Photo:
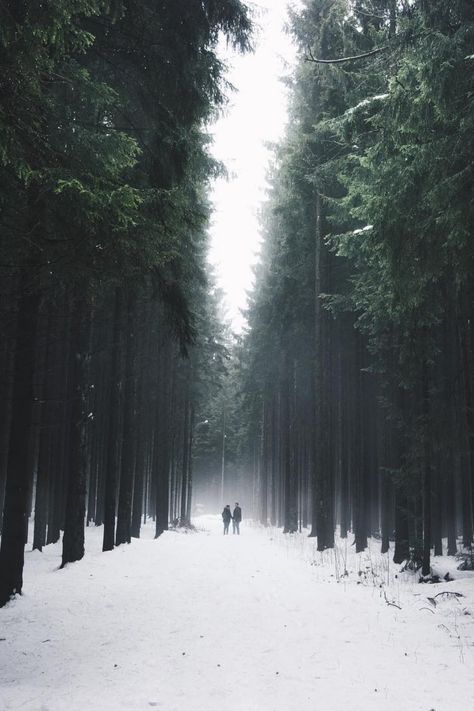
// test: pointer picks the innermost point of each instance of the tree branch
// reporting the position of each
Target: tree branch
(377, 50)
(391, 604)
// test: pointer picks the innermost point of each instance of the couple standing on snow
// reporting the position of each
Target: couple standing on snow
(236, 518)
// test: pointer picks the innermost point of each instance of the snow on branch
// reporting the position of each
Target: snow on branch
(362, 229)
(366, 102)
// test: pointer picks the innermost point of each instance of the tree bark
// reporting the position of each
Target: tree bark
(113, 454)
(427, 474)
(15, 518)
(73, 539)
(124, 514)
(317, 458)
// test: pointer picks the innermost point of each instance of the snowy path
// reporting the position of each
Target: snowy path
(208, 623)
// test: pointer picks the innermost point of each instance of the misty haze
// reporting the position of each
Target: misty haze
(237, 355)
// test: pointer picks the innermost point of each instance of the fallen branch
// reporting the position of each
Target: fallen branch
(449, 592)
(392, 604)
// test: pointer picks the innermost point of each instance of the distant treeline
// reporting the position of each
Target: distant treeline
(359, 364)
(107, 318)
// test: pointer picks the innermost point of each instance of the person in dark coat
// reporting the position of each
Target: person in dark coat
(226, 517)
(237, 518)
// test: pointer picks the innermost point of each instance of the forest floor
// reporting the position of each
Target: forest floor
(257, 622)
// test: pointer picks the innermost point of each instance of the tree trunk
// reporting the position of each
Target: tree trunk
(162, 454)
(5, 417)
(361, 465)
(290, 522)
(317, 458)
(15, 518)
(124, 515)
(427, 474)
(113, 454)
(73, 539)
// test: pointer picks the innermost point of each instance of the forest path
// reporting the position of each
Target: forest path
(212, 623)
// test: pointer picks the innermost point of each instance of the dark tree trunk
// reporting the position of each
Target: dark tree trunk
(290, 522)
(15, 519)
(73, 539)
(45, 434)
(124, 516)
(5, 417)
(185, 456)
(317, 458)
(162, 454)
(189, 496)
(402, 549)
(361, 467)
(42, 483)
(427, 475)
(113, 454)
(345, 518)
(140, 464)
(437, 512)
(60, 454)
(265, 457)
(274, 460)
(464, 336)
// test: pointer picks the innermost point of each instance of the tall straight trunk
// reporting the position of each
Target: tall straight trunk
(113, 454)
(5, 417)
(346, 424)
(162, 455)
(427, 474)
(265, 455)
(402, 544)
(124, 514)
(189, 495)
(437, 512)
(327, 431)
(45, 434)
(290, 521)
(140, 461)
(146, 491)
(281, 472)
(100, 451)
(464, 322)
(73, 539)
(453, 390)
(372, 418)
(360, 446)
(15, 518)
(42, 486)
(138, 489)
(60, 454)
(450, 503)
(317, 458)
(96, 435)
(402, 549)
(274, 461)
(386, 510)
(386, 445)
(306, 491)
(185, 455)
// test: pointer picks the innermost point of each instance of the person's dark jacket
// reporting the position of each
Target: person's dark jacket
(226, 515)
(237, 515)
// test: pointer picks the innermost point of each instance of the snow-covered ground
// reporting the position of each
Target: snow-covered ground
(260, 622)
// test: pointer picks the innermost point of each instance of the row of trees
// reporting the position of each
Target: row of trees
(359, 363)
(107, 315)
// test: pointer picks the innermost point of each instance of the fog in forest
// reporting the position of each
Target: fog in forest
(237, 265)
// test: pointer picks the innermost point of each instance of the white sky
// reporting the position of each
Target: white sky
(256, 115)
